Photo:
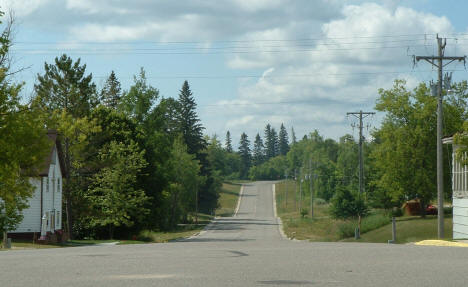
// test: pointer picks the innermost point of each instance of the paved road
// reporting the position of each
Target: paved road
(245, 250)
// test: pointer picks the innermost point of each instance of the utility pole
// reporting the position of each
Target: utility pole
(286, 183)
(295, 190)
(311, 190)
(360, 115)
(438, 61)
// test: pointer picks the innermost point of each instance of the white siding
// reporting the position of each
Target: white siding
(32, 215)
(460, 218)
(52, 200)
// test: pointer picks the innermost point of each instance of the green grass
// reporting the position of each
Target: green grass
(374, 228)
(228, 197)
(408, 229)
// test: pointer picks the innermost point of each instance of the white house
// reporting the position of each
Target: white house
(459, 195)
(44, 215)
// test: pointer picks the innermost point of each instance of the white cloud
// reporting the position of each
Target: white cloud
(23, 7)
(341, 72)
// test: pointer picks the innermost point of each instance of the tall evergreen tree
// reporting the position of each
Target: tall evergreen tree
(228, 142)
(258, 151)
(189, 123)
(283, 141)
(65, 86)
(111, 92)
(275, 140)
(246, 157)
(269, 143)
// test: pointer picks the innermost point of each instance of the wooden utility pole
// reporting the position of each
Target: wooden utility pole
(360, 115)
(438, 61)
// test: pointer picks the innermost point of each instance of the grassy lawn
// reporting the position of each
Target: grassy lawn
(409, 229)
(374, 228)
(228, 198)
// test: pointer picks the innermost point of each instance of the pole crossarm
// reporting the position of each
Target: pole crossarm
(432, 59)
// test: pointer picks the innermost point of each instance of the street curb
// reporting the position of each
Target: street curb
(239, 200)
(442, 243)
(278, 219)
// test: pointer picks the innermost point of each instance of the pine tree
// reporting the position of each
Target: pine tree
(269, 143)
(228, 142)
(283, 141)
(246, 157)
(188, 121)
(275, 141)
(258, 151)
(111, 92)
(65, 86)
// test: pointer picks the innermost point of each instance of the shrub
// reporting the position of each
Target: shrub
(374, 221)
(448, 210)
(304, 212)
(345, 204)
(320, 201)
(397, 212)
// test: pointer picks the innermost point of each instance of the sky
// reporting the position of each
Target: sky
(303, 63)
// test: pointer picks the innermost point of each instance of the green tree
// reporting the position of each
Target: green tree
(405, 154)
(66, 97)
(111, 93)
(283, 144)
(65, 86)
(245, 155)
(228, 142)
(346, 204)
(269, 142)
(189, 123)
(258, 155)
(23, 142)
(185, 179)
(114, 199)
(139, 100)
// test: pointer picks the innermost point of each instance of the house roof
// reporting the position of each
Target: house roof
(53, 138)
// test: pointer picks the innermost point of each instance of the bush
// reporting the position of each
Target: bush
(372, 222)
(448, 210)
(397, 212)
(320, 201)
(304, 212)
(345, 204)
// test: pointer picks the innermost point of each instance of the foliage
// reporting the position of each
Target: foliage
(228, 144)
(405, 154)
(272, 169)
(23, 143)
(258, 156)
(114, 199)
(138, 101)
(111, 93)
(245, 156)
(345, 204)
(283, 145)
(65, 86)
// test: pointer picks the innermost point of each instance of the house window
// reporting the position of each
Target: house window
(58, 219)
(58, 184)
(47, 184)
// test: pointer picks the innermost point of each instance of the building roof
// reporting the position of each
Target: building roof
(53, 138)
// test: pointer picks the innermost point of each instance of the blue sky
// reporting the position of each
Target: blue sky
(249, 62)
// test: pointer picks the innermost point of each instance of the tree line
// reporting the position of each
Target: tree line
(399, 156)
(134, 160)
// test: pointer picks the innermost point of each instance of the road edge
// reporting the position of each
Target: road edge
(278, 219)
(239, 200)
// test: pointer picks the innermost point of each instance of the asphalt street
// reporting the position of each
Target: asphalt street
(244, 250)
